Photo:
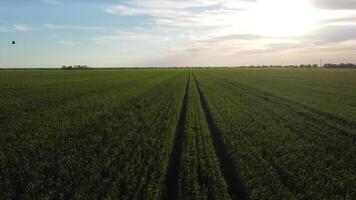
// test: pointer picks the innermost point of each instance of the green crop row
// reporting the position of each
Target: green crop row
(200, 174)
(113, 141)
(282, 149)
(330, 91)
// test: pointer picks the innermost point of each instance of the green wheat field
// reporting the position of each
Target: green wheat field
(178, 134)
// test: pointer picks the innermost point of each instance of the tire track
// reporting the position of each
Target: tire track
(235, 187)
(171, 179)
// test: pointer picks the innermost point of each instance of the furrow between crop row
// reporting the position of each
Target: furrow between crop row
(171, 180)
(235, 187)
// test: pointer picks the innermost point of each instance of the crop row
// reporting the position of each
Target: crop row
(108, 144)
(200, 175)
(282, 149)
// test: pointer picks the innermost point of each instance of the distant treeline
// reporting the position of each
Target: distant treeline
(342, 65)
(75, 67)
(328, 65)
(305, 66)
(282, 66)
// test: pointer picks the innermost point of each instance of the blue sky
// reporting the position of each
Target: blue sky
(114, 33)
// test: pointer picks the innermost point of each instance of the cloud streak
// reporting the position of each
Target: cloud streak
(21, 27)
(52, 2)
(70, 27)
(68, 43)
(48, 27)
(335, 4)
(182, 13)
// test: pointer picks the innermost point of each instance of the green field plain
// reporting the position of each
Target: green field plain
(178, 134)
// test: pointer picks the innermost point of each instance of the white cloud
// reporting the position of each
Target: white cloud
(68, 43)
(130, 36)
(52, 2)
(46, 27)
(4, 29)
(181, 13)
(71, 27)
(273, 17)
(21, 27)
(130, 41)
(336, 4)
(231, 25)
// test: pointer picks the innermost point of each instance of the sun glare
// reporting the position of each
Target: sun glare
(284, 17)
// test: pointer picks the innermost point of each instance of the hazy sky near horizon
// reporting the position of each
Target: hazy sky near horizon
(114, 33)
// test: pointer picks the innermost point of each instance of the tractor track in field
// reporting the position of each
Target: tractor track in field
(236, 188)
(171, 179)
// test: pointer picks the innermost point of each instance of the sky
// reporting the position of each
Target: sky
(145, 33)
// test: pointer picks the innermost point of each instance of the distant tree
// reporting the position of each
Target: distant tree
(75, 67)
(340, 66)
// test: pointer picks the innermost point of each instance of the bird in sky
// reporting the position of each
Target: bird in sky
(13, 42)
